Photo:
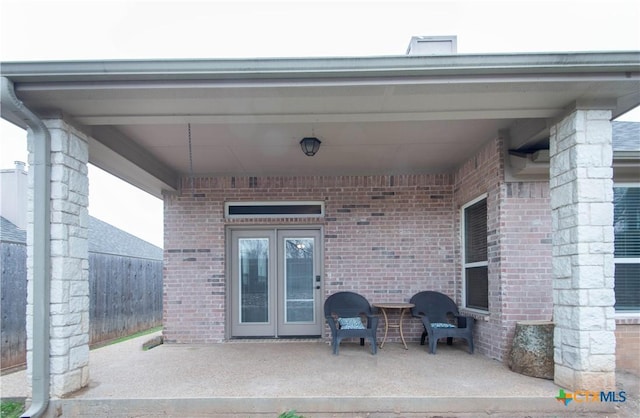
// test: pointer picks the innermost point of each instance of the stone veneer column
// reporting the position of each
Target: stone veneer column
(581, 189)
(69, 303)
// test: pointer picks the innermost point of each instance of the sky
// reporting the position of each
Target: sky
(52, 30)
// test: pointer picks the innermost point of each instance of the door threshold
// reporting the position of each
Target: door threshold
(283, 339)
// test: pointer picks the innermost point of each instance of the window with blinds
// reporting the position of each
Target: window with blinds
(475, 260)
(626, 225)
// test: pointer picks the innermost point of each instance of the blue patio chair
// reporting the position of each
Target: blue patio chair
(344, 312)
(441, 319)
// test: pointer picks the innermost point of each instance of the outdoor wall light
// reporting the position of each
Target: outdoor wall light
(310, 145)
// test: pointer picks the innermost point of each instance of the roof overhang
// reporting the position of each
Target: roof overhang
(374, 115)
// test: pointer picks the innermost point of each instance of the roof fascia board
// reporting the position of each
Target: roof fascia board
(304, 68)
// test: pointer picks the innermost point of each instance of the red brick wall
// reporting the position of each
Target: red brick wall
(479, 175)
(628, 345)
(526, 272)
(386, 237)
(519, 247)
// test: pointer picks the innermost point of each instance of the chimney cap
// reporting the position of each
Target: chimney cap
(433, 45)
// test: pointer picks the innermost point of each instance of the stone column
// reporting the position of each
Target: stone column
(581, 189)
(69, 301)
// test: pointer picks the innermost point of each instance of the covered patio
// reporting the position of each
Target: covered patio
(259, 378)
(409, 144)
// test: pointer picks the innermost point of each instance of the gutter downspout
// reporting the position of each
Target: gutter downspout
(41, 247)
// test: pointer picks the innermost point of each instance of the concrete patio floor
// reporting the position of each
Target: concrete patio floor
(263, 379)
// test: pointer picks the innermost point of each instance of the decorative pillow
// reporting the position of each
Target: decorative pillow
(442, 325)
(351, 323)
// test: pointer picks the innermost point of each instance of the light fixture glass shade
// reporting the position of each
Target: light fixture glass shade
(310, 145)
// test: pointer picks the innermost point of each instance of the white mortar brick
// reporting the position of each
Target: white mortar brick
(79, 356)
(58, 248)
(602, 297)
(562, 266)
(79, 288)
(62, 321)
(59, 346)
(587, 234)
(591, 318)
(574, 357)
(562, 196)
(59, 291)
(602, 362)
(78, 247)
(600, 343)
(58, 364)
(78, 303)
(63, 384)
(59, 231)
(600, 172)
(587, 216)
(65, 268)
(601, 213)
(59, 309)
(588, 277)
(69, 307)
(78, 340)
(66, 331)
(59, 141)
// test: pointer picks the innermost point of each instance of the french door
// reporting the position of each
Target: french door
(276, 283)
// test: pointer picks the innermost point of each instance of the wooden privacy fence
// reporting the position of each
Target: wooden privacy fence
(125, 296)
(13, 290)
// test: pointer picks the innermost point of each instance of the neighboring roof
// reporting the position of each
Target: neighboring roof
(626, 136)
(103, 238)
(107, 239)
(9, 232)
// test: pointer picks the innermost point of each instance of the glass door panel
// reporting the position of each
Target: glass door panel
(254, 279)
(299, 285)
(253, 283)
(298, 278)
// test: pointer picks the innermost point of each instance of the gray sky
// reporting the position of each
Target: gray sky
(144, 29)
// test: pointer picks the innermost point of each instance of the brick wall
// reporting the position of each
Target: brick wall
(519, 247)
(526, 274)
(481, 174)
(386, 237)
(628, 345)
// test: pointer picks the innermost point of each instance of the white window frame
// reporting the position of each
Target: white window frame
(464, 264)
(636, 313)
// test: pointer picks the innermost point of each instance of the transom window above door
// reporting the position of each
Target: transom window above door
(274, 209)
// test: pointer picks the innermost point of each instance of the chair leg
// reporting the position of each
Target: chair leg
(433, 343)
(336, 344)
(422, 338)
(374, 345)
(362, 341)
(449, 341)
